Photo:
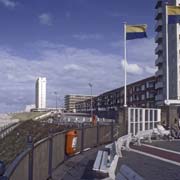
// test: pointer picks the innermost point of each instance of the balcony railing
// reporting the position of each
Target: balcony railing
(158, 13)
(159, 72)
(159, 85)
(159, 97)
(158, 4)
(158, 37)
(158, 48)
(158, 25)
(159, 60)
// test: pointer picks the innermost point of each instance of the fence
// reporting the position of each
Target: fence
(140, 119)
(39, 160)
(7, 129)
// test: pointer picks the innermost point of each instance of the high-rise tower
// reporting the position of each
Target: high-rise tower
(174, 54)
(41, 93)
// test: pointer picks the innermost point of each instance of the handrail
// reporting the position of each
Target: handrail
(7, 128)
(16, 162)
(11, 169)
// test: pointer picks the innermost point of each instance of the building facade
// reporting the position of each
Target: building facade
(41, 93)
(72, 99)
(173, 54)
(139, 94)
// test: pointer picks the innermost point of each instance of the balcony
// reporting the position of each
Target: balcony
(158, 37)
(159, 97)
(158, 13)
(159, 61)
(158, 25)
(158, 49)
(158, 4)
(159, 85)
(159, 73)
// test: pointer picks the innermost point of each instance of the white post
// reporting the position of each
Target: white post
(167, 54)
(138, 116)
(129, 120)
(143, 119)
(125, 68)
(134, 121)
(153, 113)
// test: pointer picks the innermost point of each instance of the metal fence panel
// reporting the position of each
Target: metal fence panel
(40, 161)
(21, 171)
(79, 140)
(58, 150)
(104, 134)
(90, 137)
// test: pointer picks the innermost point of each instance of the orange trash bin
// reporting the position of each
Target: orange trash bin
(94, 120)
(71, 142)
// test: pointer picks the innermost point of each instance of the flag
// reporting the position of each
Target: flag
(136, 31)
(173, 14)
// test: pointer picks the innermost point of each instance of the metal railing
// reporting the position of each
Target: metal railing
(141, 119)
(39, 160)
(7, 129)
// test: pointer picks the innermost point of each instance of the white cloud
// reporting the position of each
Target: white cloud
(75, 67)
(68, 70)
(8, 3)
(82, 36)
(132, 68)
(45, 19)
(150, 69)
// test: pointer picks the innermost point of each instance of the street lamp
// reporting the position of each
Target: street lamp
(56, 98)
(90, 85)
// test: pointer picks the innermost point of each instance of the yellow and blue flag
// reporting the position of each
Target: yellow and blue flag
(173, 14)
(136, 31)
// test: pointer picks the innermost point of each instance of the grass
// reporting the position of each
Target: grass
(27, 115)
(14, 143)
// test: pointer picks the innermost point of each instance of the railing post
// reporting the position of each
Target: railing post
(112, 130)
(97, 133)
(50, 154)
(82, 137)
(2, 171)
(31, 153)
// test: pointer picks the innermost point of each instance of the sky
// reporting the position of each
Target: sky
(71, 43)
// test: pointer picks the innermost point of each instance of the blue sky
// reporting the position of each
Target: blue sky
(71, 42)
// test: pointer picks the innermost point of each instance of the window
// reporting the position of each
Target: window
(142, 97)
(143, 87)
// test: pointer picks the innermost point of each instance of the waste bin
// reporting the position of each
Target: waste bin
(94, 120)
(71, 142)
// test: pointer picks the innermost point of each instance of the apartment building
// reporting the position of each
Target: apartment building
(72, 99)
(160, 51)
(139, 94)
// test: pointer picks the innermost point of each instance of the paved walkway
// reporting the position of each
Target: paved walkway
(146, 160)
(160, 152)
(79, 167)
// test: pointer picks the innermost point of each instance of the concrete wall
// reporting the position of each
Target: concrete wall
(123, 121)
(169, 114)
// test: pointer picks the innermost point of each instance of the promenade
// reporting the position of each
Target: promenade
(149, 162)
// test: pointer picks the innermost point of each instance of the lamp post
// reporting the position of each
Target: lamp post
(90, 85)
(56, 98)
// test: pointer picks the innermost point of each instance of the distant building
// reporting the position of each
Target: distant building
(139, 94)
(29, 107)
(72, 99)
(41, 93)
(160, 51)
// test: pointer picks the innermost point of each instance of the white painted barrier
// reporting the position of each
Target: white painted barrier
(141, 119)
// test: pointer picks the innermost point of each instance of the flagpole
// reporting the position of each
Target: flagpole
(167, 54)
(125, 67)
